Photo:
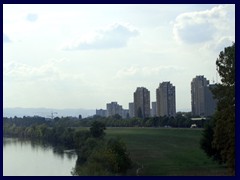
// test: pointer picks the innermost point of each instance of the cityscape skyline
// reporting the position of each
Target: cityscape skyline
(83, 56)
(202, 101)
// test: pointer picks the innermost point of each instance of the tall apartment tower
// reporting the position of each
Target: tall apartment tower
(211, 103)
(142, 103)
(202, 102)
(131, 109)
(166, 102)
(101, 112)
(154, 109)
(114, 108)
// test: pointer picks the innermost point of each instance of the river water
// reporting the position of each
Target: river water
(27, 158)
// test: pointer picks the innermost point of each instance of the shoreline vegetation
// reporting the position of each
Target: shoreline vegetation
(96, 155)
(134, 151)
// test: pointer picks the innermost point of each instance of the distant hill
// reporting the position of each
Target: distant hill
(46, 112)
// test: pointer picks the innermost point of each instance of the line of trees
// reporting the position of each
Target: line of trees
(57, 135)
(182, 120)
(218, 140)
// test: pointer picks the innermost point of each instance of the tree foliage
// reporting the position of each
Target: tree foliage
(206, 142)
(222, 134)
(103, 158)
(97, 129)
(122, 159)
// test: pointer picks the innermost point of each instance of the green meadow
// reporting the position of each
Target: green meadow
(166, 152)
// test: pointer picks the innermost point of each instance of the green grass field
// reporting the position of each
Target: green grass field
(166, 152)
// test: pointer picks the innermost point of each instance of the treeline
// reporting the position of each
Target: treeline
(96, 155)
(57, 135)
(181, 120)
(27, 121)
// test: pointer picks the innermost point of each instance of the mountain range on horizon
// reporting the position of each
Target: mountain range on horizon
(47, 112)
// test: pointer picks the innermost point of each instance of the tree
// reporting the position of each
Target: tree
(80, 116)
(223, 137)
(119, 149)
(105, 158)
(116, 116)
(224, 132)
(206, 142)
(97, 129)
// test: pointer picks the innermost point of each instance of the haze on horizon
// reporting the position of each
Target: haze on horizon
(84, 56)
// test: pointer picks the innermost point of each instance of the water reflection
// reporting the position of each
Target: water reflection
(37, 145)
(36, 158)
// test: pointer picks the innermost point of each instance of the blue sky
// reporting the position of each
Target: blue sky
(84, 56)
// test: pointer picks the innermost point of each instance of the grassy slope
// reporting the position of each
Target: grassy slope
(166, 151)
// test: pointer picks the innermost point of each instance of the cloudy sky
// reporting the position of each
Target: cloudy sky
(84, 56)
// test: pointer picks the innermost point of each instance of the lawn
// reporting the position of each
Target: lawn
(166, 152)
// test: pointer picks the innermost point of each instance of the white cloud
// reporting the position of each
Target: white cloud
(32, 17)
(24, 72)
(149, 72)
(204, 26)
(223, 42)
(6, 39)
(113, 36)
(48, 72)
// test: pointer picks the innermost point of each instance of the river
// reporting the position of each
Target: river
(28, 158)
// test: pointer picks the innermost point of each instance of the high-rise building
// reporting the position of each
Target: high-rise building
(166, 102)
(125, 113)
(203, 103)
(114, 108)
(210, 102)
(154, 109)
(101, 112)
(142, 102)
(131, 109)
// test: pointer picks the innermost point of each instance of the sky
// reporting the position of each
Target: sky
(84, 56)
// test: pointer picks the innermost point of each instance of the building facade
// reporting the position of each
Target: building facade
(154, 109)
(166, 101)
(211, 103)
(125, 114)
(101, 112)
(131, 109)
(142, 103)
(114, 108)
(202, 101)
